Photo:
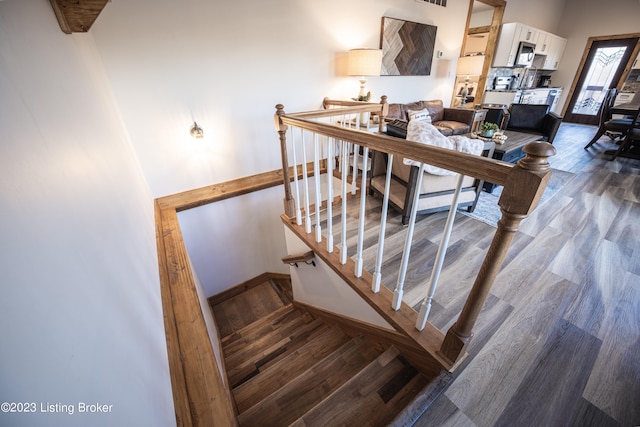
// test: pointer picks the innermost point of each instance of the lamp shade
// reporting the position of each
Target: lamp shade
(364, 62)
(470, 65)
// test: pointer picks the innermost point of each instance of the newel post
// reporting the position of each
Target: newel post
(521, 194)
(384, 112)
(289, 203)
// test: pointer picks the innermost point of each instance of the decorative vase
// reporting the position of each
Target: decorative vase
(487, 133)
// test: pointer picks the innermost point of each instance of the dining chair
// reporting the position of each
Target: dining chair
(632, 136)
(614, 128)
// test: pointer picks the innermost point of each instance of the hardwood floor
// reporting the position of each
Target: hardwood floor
(558, 341)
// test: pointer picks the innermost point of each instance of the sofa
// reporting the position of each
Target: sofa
(449, 121)
(436, 190)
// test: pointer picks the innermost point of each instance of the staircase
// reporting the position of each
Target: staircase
(289, 367)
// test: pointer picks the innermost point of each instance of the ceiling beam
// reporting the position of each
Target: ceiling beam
(77, 16)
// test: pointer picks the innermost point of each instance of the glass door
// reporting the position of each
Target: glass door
(602, 70)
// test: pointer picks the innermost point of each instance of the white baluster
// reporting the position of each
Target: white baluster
(343, 220)
(363, 202)
(330, 160)
(397, 294)
(425, 307)
(305, 181)
(354, 175)
(295, 178)
(377, 276)
(317, 180)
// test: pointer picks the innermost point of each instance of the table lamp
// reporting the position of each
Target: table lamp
(363, 63)
(469, 66)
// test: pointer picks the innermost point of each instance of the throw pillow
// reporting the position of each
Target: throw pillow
(421, 115)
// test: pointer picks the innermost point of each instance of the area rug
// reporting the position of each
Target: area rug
(488, 211)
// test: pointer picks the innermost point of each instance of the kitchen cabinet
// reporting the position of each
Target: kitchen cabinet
(528, 34)
(511, 34)
(547, 44)
(543, 43)
(555, 51)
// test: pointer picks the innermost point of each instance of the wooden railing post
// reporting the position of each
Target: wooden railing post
(289, 203)
(525, 186)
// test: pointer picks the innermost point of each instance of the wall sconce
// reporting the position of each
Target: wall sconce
(196, 131)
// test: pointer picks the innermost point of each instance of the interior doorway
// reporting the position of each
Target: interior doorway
(602, 69)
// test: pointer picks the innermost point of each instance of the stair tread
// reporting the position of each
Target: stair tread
(294, 399)
(376, 394)
(265, 336)
(276, 375)
(247, 307)
(246, 364)
(260, 323)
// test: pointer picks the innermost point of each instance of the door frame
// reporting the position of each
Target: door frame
(583, 61)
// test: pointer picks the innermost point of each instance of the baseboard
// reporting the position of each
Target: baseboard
(245, 286)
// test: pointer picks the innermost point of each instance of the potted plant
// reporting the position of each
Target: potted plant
(488, 129)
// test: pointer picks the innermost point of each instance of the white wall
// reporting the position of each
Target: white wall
(545, 15)
(226, 65)
(319, 286)
(80, 306)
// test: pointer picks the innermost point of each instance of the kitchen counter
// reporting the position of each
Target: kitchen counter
(538, 95)
(521, 89)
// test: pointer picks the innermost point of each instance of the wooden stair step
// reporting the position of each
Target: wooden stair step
(264, 322)
(273, 376)
(265, 335)
(376, 394)
(294, 399)
(247, 364)
(240, 310)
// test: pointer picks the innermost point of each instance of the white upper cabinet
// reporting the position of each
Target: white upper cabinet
(544, 41)
(528, 34)
(507, 47)
(554, 52)
(547, 44)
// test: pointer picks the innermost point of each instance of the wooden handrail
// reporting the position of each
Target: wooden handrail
(200, 394)
(302, 257)
(524, 184)
(490, 170)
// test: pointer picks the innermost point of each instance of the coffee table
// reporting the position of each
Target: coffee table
(511, 150)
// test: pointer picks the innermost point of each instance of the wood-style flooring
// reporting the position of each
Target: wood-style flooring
(558, 341)
(288, 367)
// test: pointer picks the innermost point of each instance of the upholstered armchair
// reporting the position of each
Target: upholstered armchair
(534, 118)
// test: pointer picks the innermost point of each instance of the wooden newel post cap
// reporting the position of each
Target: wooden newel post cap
(279, 112)
(536, 157)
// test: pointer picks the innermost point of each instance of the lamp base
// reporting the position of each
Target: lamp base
(465, 93)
